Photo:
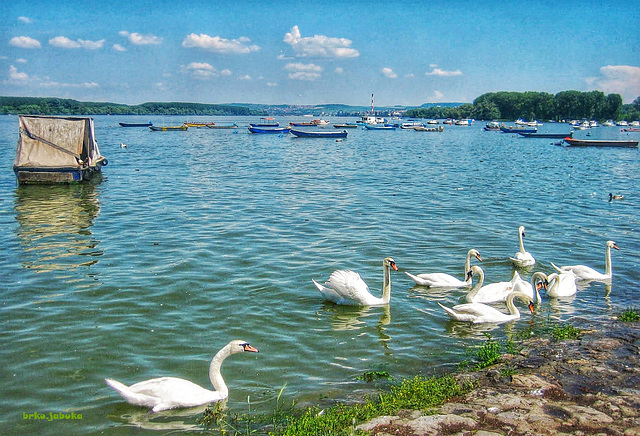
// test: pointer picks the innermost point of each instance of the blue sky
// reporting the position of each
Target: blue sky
(308, 52)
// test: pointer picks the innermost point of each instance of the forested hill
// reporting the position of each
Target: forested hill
(60, 106)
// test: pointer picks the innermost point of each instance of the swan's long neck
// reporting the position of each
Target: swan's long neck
(474, 291)
(467, 266)
(607, 261)
(386, 283)
(513, 310)
(521, 243)
(536, 292)
(214, 371)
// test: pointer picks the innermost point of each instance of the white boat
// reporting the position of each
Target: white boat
(609, 123)
(432, 122)
(634, 123)
(622, 123)
(465, 122)
(582, 126)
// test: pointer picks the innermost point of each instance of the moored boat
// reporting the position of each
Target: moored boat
(198, 125)
(599, 143)
(168, 128)
(136, 124)
(223, 126)
(54, 149)
(266, 122)
(379, 127)
(316, 134)
(429, 129)
(492, 126)
(345, 126)
(517, 129)
(282, 130)
(546, 135)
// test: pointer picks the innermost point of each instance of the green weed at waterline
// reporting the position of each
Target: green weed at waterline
(629, 315)
(565, 332)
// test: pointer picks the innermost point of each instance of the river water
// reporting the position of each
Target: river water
(199, 237)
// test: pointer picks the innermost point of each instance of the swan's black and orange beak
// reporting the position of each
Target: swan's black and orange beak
(542, 284)
(393, 265)
(531, 306)
(248, 347)
(478, 257)
(616, 247)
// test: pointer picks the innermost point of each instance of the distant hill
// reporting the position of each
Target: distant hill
(61, 106)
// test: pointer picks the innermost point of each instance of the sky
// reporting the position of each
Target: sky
(406, 53)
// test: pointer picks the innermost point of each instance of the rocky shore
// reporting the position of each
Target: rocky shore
(588, 386)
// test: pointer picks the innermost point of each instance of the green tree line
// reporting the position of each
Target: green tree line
(60, 106)
(565, 105)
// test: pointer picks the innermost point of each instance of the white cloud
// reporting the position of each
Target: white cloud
(226, 72)
(24, 42)
(618, 79)
(139, 39)
(271, 84)
(118, 47)
(16, 77)
(300, 71)
(25, 20)
(245, 77)
(436, 97)
(200, 70)
(339, 70)
(219, 45)
(21, 61)
(64, 42)
(435, 71)
(85, 85)
(388, 72)
(319, 45)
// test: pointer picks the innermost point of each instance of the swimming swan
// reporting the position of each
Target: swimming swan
(170, 392)
(586, 273)
(346, 287)
(442, 280)
(539, 280)
(491, 293)
(562, 285)
(481, 313)
(522, 258)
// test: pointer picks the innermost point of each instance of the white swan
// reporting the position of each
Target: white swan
(442, 280)
(170, 392)
(522, 258)
(491, 293)
(481, 313)
(539, 280)
(586, 273)
(346, 287)
(562, 285)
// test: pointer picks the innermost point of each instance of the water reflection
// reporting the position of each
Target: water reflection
(175, 419)
(55, 226)
(343, 318)
(562, 306)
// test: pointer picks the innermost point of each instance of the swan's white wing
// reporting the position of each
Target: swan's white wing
(135, 398)
(493, 292)
(172, 392)
(477, 310)
(523, 259)
(583, 272)
(458, 316)
(349, 288)
(438, 280)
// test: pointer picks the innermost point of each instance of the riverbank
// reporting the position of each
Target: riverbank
(589, 385)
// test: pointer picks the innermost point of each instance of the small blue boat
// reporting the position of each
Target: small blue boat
(269, 130)
(517, 129)
(316, 134)
(379, 127)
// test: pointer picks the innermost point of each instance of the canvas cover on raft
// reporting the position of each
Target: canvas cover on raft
(56, 142)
